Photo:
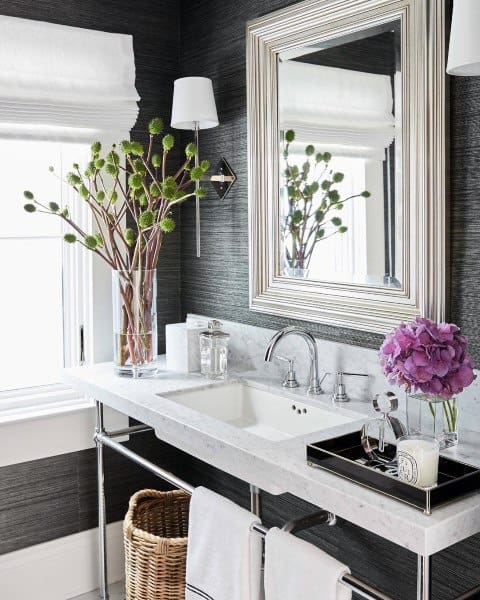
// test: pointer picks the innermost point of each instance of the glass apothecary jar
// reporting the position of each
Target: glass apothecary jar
(214, 351)
(431, 415)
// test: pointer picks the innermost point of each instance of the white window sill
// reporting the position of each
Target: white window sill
(40, 403)
(48, 422)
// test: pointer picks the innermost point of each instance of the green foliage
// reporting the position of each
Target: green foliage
(135, 181)
(100, 196)
(112, 169)
(73, 179)
(365, 194)
(142, 199)
(289, 136)
(30, 208)
(200, 192)
(167, 224)
(70, 238)
(205, 165)
(139, 166)
(83, 191)
(28, 195)
(90, 241)
(342, 229)
(190, 150)
(113, 196)
(155, 127)
(113, 158)
(156, 160)
(136, 148)
(336, 221)
(96, 148)
(53, 206)
(168, 142)
(337, 177)
(196, 173)
(169, 188)
(130, 236)
(99, 163)
(310, 150)
(90, 169)
(126, 146)
(146, 219)
(100, 241)
(154, 190)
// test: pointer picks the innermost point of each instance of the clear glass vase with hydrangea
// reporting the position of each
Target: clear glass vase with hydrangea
(130, 191)
(431, 362)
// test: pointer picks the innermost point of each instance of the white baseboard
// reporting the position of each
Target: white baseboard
(60, 569)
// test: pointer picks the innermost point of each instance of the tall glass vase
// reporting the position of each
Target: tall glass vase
(134, 295)
(432, 415)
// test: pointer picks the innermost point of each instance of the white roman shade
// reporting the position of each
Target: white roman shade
(64, 82)
(347, 112)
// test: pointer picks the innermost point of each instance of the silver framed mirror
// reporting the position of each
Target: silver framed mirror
(347, 160)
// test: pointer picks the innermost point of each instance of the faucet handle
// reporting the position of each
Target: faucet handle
(339, 391)
(290, 380)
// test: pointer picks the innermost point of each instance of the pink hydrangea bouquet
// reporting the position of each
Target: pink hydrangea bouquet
(427, 357)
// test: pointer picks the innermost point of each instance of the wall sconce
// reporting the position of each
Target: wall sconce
(194, 108)
(464, 51)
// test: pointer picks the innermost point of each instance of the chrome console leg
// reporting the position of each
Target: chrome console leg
(102, 518)
(424, 577)
(255, 507)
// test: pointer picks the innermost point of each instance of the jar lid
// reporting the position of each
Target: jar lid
(215, 330)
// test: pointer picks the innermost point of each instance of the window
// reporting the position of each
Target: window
(40, 315)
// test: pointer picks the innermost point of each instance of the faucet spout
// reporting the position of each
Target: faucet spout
(314, 386)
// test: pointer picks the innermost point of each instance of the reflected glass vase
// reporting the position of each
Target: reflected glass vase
(432, 415)
(134, 295)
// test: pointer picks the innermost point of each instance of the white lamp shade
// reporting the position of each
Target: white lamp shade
(193, 102)
(464, 52)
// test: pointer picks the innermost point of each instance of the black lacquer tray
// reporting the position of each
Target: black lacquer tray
(346, 457)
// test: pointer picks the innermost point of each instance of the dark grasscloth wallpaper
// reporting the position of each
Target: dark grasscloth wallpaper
(49, 498)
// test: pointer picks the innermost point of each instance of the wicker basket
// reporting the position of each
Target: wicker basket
(155, 533)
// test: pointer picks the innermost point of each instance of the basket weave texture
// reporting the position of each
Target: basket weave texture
(155, 534)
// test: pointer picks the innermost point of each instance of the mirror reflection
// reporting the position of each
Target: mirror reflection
(340, 118)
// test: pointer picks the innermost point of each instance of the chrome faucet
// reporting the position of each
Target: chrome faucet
(314, 386)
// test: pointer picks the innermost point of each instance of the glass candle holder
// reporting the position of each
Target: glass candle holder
(417, 457)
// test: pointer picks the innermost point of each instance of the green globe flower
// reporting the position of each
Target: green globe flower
(83, 191)
(70, 238)
(155, 127)
(136, 148)
(205, 165)
(168, 142)
(90, 169)
(96, 147)
(167, 225)
(190, 150)
(90, 242)
(99, 237)
(196, 173)
(142, 199)
(146, 219)
(113, 196)
(73, 179)
(135, 181)
(99, 163)
(111, 169)
(126, 146)
(156, 160)
(169, 188)
(200, 193)
(154, 190)
(130, 236)
(113, 158)
(100, 196)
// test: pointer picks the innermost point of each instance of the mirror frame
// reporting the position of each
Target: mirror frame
(361, 307)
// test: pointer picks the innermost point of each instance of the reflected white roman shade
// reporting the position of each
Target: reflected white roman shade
(347, 112)
(64, 82)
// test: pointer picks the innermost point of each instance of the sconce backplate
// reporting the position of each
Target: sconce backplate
(223, 178)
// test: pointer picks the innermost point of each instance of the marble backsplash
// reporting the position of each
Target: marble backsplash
(247, 347)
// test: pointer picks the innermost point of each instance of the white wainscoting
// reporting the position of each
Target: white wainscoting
(63, 568)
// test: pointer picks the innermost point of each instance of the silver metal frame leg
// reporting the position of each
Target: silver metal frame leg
(424, 577)
(255, 499)
(102, 517)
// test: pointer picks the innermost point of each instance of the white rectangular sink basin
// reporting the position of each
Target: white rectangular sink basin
(260, 412)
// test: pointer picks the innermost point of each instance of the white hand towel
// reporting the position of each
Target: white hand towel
(224, 555)
(296, 570)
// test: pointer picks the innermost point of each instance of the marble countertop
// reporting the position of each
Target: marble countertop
(279, 467)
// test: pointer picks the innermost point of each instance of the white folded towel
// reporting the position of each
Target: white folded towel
(296, 570)
(224, 555)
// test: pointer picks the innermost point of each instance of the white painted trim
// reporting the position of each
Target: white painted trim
(60, 569)
(60, 430)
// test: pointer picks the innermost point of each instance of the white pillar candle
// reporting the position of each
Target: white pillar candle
(417, 457)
